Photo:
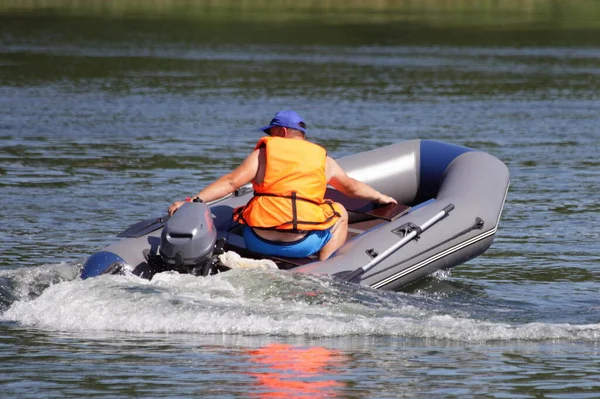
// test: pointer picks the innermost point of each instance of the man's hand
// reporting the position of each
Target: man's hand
(384, 199)
(174, 206)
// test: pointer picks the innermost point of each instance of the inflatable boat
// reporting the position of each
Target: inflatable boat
(450, 200)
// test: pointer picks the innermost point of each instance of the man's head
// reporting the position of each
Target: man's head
(287, 119)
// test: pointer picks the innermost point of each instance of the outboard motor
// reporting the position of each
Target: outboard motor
(188, 244)
(188, 239)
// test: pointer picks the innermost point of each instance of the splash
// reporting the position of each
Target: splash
(29, 283)
(253, 302)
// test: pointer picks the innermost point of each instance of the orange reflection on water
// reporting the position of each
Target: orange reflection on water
(286, 371)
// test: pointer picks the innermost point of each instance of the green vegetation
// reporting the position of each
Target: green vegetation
(504, 14)
(504, 23)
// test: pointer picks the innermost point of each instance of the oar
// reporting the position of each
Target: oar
(354, 277)
(144, 227)
(149, 225)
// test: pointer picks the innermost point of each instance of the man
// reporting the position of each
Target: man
(288, 215)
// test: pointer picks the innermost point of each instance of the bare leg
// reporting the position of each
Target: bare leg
(339, 232)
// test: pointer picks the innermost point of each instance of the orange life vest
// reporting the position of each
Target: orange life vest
(290, 198)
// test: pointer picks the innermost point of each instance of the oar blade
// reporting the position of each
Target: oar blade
(144, 227)
(350, 276)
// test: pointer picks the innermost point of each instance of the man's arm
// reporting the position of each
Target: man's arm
(228, 183)
(352, 187)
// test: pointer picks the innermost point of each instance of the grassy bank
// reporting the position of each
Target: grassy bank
(499, 13)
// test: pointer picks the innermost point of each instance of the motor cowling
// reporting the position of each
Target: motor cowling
(188, 239)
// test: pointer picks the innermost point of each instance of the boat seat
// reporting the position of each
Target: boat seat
(360, 209)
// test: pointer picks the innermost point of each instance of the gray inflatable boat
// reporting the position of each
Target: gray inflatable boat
(450, 200)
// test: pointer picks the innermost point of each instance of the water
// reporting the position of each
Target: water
(105, 120)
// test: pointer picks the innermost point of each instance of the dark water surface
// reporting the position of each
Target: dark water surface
(105, 120)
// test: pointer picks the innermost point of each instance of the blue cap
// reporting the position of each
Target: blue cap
(286, 118)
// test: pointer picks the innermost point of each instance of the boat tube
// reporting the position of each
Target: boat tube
(450, 200)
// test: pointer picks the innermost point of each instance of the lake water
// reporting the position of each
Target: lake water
(106, 118)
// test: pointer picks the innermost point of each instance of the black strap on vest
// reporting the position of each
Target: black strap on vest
(294, 211)
(239, 214)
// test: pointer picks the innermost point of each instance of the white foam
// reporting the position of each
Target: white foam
(255, 302)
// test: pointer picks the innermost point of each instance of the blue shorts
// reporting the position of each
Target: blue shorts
(306, 246)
